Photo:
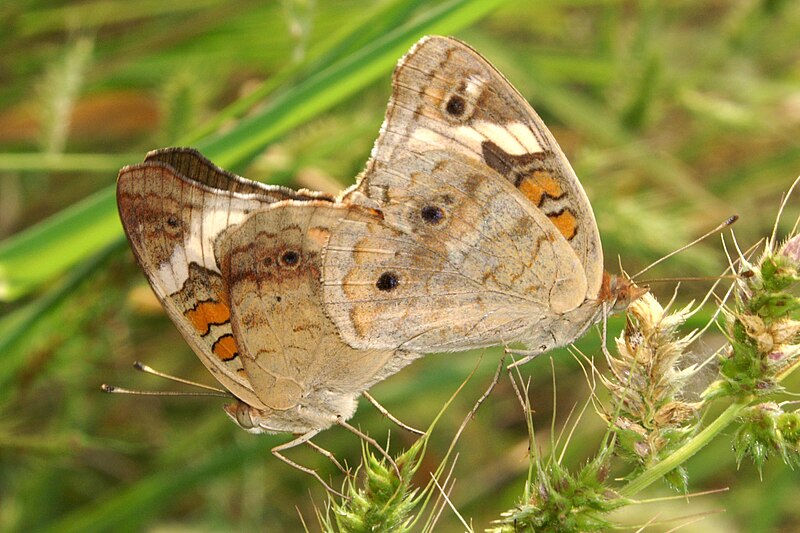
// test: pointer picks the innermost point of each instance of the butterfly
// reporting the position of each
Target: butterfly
(486, 235)
(236, 265)
(467, 228)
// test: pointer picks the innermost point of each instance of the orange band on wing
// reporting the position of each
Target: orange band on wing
(538, 185)
(208, 313)
(565, 222)
(225, 348)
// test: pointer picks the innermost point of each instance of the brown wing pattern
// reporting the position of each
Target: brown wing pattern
(447, 97)
(460, 261)
(192, 164)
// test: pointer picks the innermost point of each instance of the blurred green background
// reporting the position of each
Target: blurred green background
(675, 115)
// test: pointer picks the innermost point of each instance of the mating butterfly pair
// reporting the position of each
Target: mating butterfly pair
(467, 228)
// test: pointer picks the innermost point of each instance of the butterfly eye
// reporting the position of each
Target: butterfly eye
(456, 106)
(387, 281)
(172, 221)
(290, 258)
(432, 214)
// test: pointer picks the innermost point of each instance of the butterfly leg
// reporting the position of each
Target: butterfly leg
(374, 443)
(382, 410)
(526, 355)
(302, 439)
(322, 451)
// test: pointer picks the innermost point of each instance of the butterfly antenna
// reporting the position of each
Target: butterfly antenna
(719, 228)
(120, 390)
(138, 365)
(743, 257)
(141, 367)
(691, 278)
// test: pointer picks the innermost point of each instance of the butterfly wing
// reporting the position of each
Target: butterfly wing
(460, 261)
(291, 351)
(172, 208)
(493, 235)
(446, 96)
(196, 167)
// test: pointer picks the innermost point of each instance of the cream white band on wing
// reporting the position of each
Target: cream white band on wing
(514, 138)
(218, 214)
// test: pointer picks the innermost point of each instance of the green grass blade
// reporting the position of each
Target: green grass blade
(15, 326)
(141, 502)
(40, 253)
(345, 42)
(38, 162)
(337, 82)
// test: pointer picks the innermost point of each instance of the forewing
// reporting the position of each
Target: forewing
(446, 96)
(459, 261)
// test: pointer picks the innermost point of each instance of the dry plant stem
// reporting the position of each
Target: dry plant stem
(443, 500)
(782, 374)
(445, 494)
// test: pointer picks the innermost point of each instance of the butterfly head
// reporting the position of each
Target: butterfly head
(246, 416)
(319, 410)
(620, 291)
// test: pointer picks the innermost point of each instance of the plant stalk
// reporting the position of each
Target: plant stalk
(686, 451)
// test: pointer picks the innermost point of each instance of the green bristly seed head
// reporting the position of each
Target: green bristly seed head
(767, 431)
(763, 326)
(384, 502)
(561, 501)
